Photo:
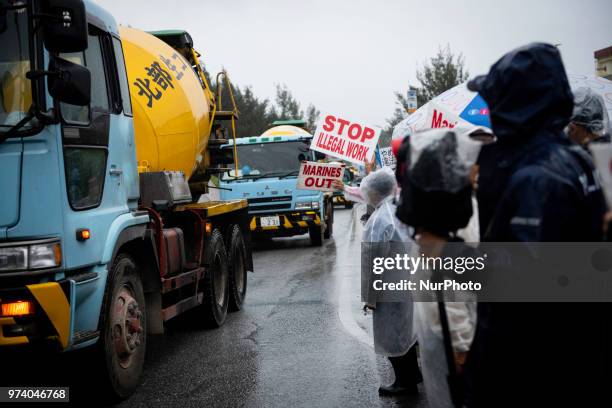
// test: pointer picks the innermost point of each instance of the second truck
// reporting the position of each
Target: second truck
(267, 179)
(108, 139)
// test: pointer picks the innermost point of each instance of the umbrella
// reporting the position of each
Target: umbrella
(468, 106)
(472, 110)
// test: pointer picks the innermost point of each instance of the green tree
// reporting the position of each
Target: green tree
(286, 106)
(400, 112)
(312, 116)
(253, 118)
(256, 115)
(443, 71)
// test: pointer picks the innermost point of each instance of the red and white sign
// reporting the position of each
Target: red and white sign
(319, 176)
(345, 139)
(440, 117)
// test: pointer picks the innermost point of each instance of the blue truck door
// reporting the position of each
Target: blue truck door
(94, 176)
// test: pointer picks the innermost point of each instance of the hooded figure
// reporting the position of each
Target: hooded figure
(436, 198)
(394, 336)
(589, 121)
(534, 187)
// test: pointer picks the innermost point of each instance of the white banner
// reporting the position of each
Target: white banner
(347, 140)
(319, 176)
(440, 117)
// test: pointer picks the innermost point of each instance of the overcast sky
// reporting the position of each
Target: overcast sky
(349, 56)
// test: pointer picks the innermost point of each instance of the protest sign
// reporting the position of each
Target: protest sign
(345, 139)
(387, 159)
(440, 117)
(319, 176)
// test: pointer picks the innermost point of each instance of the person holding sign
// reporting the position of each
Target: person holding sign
(392, 321)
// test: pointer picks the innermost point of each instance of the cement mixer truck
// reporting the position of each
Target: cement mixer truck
(108, 139)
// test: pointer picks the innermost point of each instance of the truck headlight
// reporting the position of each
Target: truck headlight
(306, 205)
(34, 256)
(45, 255)
(14, 259)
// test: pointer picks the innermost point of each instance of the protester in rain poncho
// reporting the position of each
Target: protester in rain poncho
(589, 121)
(436, 199)
(394, 336)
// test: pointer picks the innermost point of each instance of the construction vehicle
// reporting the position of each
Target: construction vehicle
(106, 232)
(267, 178)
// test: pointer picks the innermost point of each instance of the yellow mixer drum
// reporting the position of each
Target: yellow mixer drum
(171, 110)
(285, 130)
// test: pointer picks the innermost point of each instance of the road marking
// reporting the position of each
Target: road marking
(346, 315)
(344, 296)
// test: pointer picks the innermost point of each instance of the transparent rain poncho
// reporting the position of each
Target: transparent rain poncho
(440, 161)
(392, 321)
(436, 189)
(590, 111)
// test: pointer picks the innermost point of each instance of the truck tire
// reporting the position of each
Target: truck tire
(237, 269)
(215, 283)
(329, 223)
(120, 354)
(316, 235)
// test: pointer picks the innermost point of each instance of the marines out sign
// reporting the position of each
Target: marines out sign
(345, 139)
(319, 176)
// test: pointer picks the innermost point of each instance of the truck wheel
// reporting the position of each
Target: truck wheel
(316, 235)
(329, 228)
(237, 269)
(123, 331)
(215, 283)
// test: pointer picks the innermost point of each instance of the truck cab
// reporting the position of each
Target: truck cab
(267, 177)
(68, 176)
(105, 145)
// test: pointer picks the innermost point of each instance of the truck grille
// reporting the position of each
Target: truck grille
(268, 199)
(270, 207)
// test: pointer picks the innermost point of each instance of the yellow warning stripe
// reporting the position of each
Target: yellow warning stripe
(52, 299)
(285, 223)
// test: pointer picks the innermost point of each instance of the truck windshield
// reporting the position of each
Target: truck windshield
(15, 88)
(271, 159)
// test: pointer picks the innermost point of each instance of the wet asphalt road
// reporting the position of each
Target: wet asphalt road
(288, 347)
(300, 341)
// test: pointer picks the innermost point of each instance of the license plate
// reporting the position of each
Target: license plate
(273, 221)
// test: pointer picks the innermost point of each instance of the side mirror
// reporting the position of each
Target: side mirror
(319, 155)
(64, 24)
(69, 82)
